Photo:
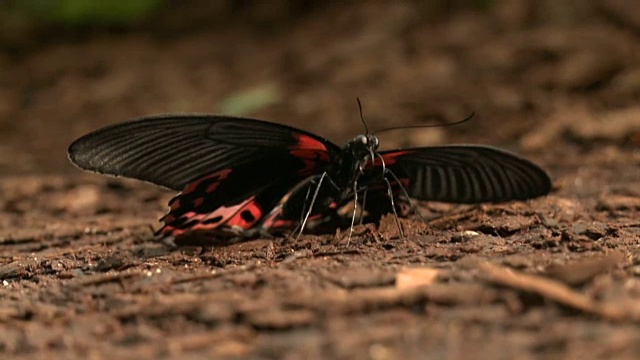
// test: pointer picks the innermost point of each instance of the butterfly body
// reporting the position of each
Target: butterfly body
(241, 176)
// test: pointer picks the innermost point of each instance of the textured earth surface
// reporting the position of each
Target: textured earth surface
(556, 277)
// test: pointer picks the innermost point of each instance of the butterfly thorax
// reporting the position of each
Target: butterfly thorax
(352, 160)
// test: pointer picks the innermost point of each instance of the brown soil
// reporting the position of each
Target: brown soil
(556, 277)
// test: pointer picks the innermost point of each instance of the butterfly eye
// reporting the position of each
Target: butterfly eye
(371, 141)
(363, 139)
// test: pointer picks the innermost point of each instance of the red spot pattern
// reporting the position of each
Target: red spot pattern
(174, 204)
(279, 224)
(273, 221)
(228, 216)
(238, 220)
(311, 158)
(310, 154)
(308, 142)
(392, 157)
(168, 218)
(213, 187)
(272, 217)
(197, 202)
(170, 231)
(218, 175)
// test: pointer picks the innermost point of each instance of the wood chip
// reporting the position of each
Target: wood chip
(413, 277)
(18, 269)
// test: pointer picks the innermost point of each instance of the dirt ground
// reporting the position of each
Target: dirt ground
(556, 277)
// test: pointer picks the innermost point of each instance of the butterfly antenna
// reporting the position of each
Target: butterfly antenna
(426, 126)
(366, 128)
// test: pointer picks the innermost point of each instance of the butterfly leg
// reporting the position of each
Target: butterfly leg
(355, 208)
(303, 214)
(313, 200)
(393, 207)
(306, 201)
(386, 171)
(413, 206)
(364, 203)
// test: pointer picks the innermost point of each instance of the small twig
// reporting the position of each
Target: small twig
(98, 279)
(556, 291)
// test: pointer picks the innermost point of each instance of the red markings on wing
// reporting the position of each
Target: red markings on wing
(192, 217)
(274, 221)
(243, 215)
(198, 201)
(247, 216)
(167, 219)
(308, 142)
(391, 157)
(311, 154)
(310, 157)
(272, 217)
(213, 187)
(174, 204)
(217, 176)
(168, 230)
(310, 151)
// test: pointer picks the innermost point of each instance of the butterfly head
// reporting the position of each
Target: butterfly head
(363, 145)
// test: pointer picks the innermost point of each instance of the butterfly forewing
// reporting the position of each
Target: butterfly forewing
(465, 174)
(172, 151)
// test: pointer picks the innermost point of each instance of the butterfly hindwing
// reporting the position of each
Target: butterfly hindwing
(190, 211)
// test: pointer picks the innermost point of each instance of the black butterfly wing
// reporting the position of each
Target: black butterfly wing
(466, 174)
(172, 151)
(225, 167)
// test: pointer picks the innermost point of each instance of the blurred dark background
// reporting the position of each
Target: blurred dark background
(553, 79)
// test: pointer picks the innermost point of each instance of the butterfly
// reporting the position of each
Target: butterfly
(237, 177)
